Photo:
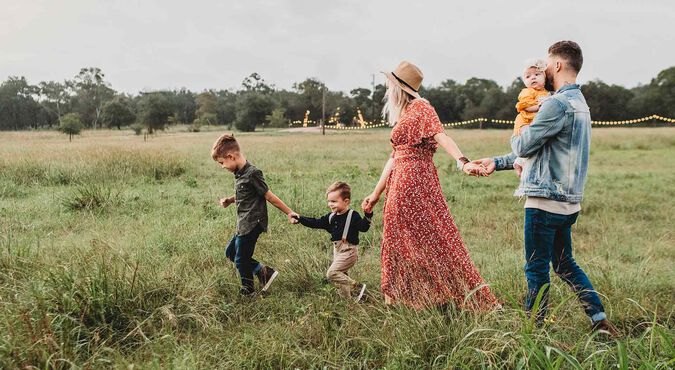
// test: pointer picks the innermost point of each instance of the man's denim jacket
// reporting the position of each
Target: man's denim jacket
(557, 145)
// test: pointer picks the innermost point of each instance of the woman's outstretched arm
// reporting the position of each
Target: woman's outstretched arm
(449, 145)
(370, 201)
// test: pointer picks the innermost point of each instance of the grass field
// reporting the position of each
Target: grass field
(111, 255)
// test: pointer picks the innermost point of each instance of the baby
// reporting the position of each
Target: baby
(529, 99)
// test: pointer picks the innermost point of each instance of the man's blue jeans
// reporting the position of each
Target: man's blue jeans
(548, 239)
(240, 251)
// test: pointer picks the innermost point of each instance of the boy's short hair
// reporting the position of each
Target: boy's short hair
(225, 145)
(344, 189)
(570, 51)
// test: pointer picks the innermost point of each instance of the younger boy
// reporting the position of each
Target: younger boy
(344, 226)
(251, 197)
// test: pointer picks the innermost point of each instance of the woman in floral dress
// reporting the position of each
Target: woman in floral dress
(424, 260)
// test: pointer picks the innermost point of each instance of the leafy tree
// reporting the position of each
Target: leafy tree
(71, 125)
(607, 102)
(347, 107)
(378, 100)
(493, 101)
(25, 106)
(206, 119)
(253, 103)
(184, 105)
(473, 92)
(91, 92)
(251, 109)
(18, 108)
(447, 100)
(225, 107)
(207, 103)
(362, 99)
(277, 118)
(507, 110)
(117, 113)
(311, 93)
(255, 83)
(291, 102)
(155, 110)
(665, 85)
(658, 97)
(54, 97)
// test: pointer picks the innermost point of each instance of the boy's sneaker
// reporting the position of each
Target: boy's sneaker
(247, 292)
(606, 327)
(362, 291)
(266, 275)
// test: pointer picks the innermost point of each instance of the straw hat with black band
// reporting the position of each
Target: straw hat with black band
(408, 77)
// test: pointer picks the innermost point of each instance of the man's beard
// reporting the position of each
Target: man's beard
(548, 84)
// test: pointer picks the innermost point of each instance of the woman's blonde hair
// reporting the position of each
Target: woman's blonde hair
(395, 101)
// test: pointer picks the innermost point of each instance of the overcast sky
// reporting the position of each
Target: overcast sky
(150, 45)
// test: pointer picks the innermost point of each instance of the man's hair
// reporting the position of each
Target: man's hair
(225, 145)
(570, 51)
(344, 189)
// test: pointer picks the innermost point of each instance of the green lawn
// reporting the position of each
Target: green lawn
(111, 254)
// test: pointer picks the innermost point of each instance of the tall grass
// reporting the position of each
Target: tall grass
(111, 255)
(91, 166)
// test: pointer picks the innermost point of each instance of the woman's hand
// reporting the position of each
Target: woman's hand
(369, 202)
(488, 165)
(473, 169)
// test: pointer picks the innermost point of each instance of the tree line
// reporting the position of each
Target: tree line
(89, 101)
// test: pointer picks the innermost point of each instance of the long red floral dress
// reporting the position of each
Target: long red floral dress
(424, 260)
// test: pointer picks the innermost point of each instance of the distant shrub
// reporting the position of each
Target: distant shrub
(71, 125)
(194, 127)
(91, 197)
(137, 128)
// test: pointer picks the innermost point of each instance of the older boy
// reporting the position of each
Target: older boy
(251, 197)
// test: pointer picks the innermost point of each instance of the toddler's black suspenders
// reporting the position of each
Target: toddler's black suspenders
(347, 223)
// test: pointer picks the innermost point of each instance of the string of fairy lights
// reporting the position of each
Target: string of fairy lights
(335, 124)
(653, 117)
(463, 123)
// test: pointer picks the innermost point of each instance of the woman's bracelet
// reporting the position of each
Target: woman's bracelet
(463, 161)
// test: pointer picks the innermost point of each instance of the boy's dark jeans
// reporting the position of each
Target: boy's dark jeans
(548, 239)
(240, 251)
